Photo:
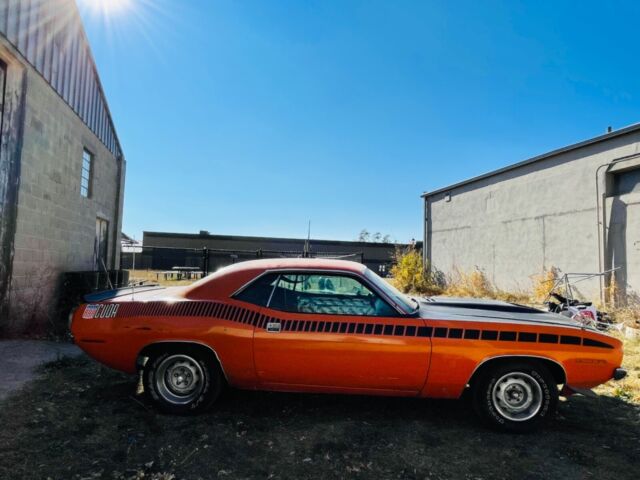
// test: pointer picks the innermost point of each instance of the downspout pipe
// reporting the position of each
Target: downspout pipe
(118, 212)
(600, 226)
(426, 262)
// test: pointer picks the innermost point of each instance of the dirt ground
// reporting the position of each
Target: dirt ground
(20, 359)
(80, 420)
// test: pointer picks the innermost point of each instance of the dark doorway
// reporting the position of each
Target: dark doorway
(101, 244)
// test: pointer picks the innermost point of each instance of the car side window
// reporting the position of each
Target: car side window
(259, 291)
(327, 294)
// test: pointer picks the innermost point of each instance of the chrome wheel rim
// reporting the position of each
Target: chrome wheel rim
(179, 379)
(517, 396)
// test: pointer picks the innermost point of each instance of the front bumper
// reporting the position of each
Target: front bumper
(619, 373)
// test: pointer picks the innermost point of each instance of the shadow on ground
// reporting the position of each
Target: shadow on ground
(81, 420)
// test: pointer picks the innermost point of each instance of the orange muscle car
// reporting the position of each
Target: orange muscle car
(311, 325)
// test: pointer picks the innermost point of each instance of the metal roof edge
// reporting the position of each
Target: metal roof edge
(600, 138)
(273, 239)
(94, 68)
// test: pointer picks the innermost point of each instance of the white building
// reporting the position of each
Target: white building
(576, 208)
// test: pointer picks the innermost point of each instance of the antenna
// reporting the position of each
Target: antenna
(133, 268)
(306, 244)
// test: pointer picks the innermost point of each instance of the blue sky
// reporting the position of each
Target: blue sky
(252, 117)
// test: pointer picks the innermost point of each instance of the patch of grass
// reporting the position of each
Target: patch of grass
(629, 388)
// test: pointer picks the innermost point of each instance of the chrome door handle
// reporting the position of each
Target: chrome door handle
(273, 327)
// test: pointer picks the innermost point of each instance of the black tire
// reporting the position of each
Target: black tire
(501, 391)
(182, 380)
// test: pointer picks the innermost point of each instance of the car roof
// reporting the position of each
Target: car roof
(298, 263)
(228, 280)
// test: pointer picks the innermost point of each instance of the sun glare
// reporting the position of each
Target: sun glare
(108, 7)
(120, 21)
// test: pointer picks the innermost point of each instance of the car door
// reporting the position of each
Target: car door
(333, 331)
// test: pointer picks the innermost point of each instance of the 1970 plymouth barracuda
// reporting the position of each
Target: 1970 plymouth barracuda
(312, 325)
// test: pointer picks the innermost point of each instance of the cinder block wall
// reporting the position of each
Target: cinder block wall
(516, 224)
(56, 226)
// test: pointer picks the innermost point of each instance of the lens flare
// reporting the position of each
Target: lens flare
(121, 23)
(108, 7)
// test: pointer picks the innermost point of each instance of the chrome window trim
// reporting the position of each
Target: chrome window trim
(312, 271)
(275, 285)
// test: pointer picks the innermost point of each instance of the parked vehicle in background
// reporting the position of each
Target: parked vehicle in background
(312, 325)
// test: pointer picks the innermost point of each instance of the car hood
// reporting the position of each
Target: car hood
(450, 308)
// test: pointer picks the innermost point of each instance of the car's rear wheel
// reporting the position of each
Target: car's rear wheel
(182, 380)
(516, 397)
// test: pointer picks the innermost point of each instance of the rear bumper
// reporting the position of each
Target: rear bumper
(619, 374)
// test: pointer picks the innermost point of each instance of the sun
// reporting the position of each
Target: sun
(108, 7)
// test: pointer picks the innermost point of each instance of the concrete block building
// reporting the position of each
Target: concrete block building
(61, 166)
(576, 208)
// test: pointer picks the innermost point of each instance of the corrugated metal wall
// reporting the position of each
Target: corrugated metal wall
(49, 34)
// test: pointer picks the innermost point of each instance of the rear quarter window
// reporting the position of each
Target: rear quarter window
(259, 291)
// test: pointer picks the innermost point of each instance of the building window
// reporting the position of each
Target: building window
(87, 173)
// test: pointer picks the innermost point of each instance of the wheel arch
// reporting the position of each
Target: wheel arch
(556, 369)
(163, 345)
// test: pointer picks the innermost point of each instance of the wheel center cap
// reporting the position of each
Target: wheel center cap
(181, 378)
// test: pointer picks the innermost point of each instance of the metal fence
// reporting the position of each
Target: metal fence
(202, 261)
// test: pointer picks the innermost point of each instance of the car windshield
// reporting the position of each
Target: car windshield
(407, 304)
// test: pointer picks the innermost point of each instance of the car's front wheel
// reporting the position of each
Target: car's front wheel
(182, 381)
(516, 397)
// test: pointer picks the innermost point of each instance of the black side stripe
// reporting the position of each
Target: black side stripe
(251, 317)
(587, 342)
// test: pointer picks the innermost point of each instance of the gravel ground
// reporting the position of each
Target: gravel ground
(80, 420)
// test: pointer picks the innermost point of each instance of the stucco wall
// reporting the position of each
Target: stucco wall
(55, 227)
(517, 223)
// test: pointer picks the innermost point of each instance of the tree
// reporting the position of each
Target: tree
(377, 237)
(364, 236)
